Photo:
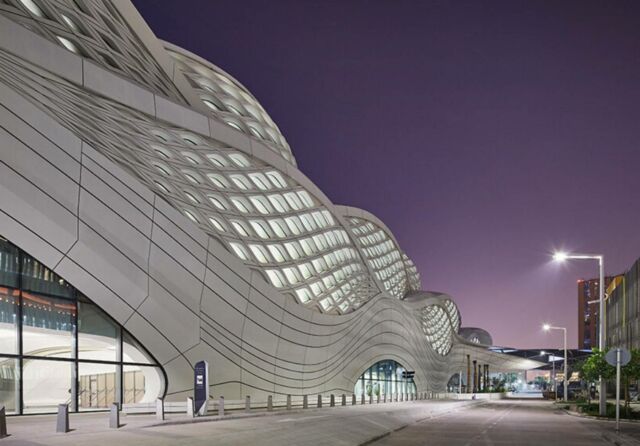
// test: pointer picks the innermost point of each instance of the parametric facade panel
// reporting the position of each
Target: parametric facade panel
(159, 187)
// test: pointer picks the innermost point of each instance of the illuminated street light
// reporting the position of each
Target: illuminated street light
(547, 327)
(560, 256)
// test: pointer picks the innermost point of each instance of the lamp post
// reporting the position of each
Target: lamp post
(547, 327)
(563, 256)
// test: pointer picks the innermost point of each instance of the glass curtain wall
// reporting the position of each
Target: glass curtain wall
(384, 378)
(56, 346)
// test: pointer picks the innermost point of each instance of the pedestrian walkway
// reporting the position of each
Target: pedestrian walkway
(347, 425)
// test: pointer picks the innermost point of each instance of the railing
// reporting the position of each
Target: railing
(281, 402)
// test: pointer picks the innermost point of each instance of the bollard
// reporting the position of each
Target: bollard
(353, 399)
(160, 409)
(319, 400)
(270, 403)
(190, 413)
(362, 399)
(396, 397)
(221, 407)
(114, 416)
(402, 397)
(332, 401)
(305, 402)
(344, 399)
(247, 404)
(378, 399)
(3, 422)
(62, 422)
(288, 402)
(384, 398)
(371, 399)
(412, 397)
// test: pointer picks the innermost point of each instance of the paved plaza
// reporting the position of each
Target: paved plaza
(464, 423)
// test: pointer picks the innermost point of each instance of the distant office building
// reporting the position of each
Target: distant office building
(621, 312)
(588, 313)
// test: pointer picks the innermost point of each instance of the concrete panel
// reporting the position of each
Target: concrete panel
(130, 239)
(181, 116)
(229, 136)
(98, 292)
(110, 266)
(152, 339)
(26, 44)
(112, 86)
(14, 103)
(182, 230)
(139, 195)
(36, 211)
(176, 270)
(220, 312)
(28, 163)
(176, 321)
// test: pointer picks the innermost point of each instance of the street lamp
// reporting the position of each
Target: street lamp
(547, 327)
(563, 256)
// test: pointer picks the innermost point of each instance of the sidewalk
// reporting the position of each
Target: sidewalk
(349, 425)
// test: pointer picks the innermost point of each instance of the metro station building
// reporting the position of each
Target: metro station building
(152, 215)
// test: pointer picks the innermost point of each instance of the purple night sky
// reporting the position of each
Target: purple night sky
(483, 133)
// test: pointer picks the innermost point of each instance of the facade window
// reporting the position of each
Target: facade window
(384, 378)
(59, 347)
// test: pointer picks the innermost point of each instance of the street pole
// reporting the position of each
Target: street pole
(617, 390)
(603, 388)
(555, 389)
(566, 376)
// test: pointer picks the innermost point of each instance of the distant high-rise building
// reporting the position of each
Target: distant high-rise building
(588, 313)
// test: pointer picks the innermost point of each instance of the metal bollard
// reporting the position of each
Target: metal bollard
(270, 403)
(247, 404)
(344, 399)
(384, 398)
(3, 422)
(332, 401)
(319, 400)
(378, 399)
(288, 402)
(305, 402)
(221, 407)
(362, 399)
(402, 397)
(353, 399)
(62, 422)
(371, 399)
(190, 413)
(160, 409)
(114, 416)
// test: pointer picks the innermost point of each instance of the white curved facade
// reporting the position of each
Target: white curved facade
(190, 225)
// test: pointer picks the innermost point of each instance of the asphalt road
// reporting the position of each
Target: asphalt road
(509, 422)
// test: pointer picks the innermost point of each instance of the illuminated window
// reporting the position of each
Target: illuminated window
(261, 204)
(218, 180)
(217, 160)
(260, 228)
(217, 202)
(277, 179)
(239, 160)
(239, 250)
(240, 181)
(240, 228)
(240, 204)
(260, 181)
(191, 216)
(260, 253)
(277, 252)
(279, 203)
(68, 44)
(217, 224)
(276, 278)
